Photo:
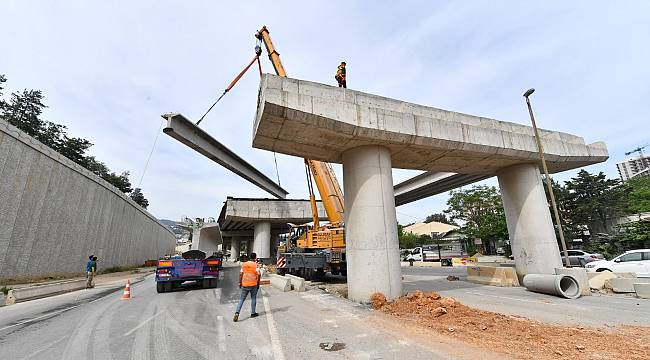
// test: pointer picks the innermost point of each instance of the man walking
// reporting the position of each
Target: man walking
(91, 271)
(249, 282)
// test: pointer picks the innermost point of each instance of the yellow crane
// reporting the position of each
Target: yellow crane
(313, 250)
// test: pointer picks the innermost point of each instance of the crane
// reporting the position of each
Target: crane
(317, 248)
(638, 149)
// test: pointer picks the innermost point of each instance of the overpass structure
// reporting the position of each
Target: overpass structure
(370, 135)
(256, 221)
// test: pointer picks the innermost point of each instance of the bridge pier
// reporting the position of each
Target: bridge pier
(532, 234)
(372, 247)
(235, 244)
(262, 239)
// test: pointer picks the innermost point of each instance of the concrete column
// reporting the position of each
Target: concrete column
(372, 248)
(532, 235)
(249, 246)
(235, 242)
(262, 239)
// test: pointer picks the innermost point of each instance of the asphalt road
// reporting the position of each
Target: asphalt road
(595, 310)
(197, 324)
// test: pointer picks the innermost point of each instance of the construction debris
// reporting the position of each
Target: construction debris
(513, 335)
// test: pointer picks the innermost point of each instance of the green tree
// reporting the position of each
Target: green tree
(407, 240)
(119, 181)
(23, 111)
(637, 195)
(634, 234)
(593, 200)
(480, 209)
(139, 198)
(441, 218)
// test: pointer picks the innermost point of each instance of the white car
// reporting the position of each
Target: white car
(634, 261)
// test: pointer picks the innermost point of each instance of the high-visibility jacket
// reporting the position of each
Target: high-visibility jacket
(249, 274)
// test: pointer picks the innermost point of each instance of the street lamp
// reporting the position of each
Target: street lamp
(540, 149)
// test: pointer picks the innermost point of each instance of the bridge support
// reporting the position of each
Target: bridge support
(372, 248)
(235, 244)
(262, 239)
(532, 234)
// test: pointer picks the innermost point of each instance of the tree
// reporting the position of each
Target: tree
(637, 195)
(439, 217)
(23, 111)
(480, 209)
(407, 240)
(593, 200)
(634, 234)
(139, 198)
(119, 181)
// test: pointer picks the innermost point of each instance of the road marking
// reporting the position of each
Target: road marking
(511, 298)
(222, 334)
(46, 347)
(143, 323)
(275, 339)
(40, 317)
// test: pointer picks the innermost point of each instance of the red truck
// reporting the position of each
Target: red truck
(173, 271)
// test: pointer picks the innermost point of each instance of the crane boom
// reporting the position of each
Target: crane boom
(322, 173)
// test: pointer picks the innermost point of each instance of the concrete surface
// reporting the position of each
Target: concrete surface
(194, 324)
(492, 275)
(193, 136)
(532, 235)
(235, 247)
(598, 281)
(431, 183)
(372, 248)
(45, 290)
(52, 208)
(207, 238)
(626, 285)
(595, 310)
(280, 282)
(297, 283)
(262, 239)
(642, 290)
(580, 274)
(322, 122)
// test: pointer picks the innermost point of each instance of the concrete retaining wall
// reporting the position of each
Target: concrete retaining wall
(54, 213)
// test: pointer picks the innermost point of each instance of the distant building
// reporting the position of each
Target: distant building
(428, 228)
(634, 167)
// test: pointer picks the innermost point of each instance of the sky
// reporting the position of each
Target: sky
(109, 69)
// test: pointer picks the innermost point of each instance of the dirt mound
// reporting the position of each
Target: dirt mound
(517, 336)
(378, 300)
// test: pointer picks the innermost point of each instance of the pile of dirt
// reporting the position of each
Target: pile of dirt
(517, 336)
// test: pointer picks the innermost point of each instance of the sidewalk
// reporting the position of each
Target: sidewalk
(102, 279)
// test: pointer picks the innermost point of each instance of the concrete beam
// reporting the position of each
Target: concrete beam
(207, 238)
(431, 183)
(193, 136)
(321, 122)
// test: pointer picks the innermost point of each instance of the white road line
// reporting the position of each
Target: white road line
(275, 339)
(46, 347)
(222, 334)
(511, 298)
(143, 323)
(40, 317)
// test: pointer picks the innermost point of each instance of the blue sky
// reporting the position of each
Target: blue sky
(110, 68)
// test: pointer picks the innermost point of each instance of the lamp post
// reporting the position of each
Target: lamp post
(540, 149)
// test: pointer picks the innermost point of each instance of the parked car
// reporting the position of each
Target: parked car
(581, 258)
(634, 261)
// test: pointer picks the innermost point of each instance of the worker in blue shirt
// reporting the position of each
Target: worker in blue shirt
(91, 271)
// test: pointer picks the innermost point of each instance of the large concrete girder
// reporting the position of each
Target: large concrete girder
(321, 122)
(431, 183)
(191, 135)
(207, 238)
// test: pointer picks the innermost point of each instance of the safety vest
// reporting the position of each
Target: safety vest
(249, 274)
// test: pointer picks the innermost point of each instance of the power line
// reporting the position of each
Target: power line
(150, 153)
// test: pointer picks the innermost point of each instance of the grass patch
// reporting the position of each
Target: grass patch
(115, 269)
(5, 290)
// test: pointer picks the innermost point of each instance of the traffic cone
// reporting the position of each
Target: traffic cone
(127, 291)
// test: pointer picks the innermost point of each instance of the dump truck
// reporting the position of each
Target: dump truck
(173, 271)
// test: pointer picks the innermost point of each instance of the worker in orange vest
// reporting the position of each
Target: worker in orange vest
(249, 282)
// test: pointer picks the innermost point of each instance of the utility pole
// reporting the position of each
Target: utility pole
(540, 149)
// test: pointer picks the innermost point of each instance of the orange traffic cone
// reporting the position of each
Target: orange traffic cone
(127, 291)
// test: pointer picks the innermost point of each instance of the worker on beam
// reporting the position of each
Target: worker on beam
(340, 75)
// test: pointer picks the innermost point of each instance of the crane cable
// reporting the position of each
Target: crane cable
(258, 52)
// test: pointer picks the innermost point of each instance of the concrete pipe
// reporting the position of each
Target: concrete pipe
(560, 285)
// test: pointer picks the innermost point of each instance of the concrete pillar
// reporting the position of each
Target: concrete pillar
(532, 235)
(249, 246)
(235, 242)
(262, 239)
(372, 248)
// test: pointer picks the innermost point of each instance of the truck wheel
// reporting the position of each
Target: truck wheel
(167, 286)
(335, 271)
(205, 283)
(160, 287)
(344, 272)
(281, 271)
(213, 283)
